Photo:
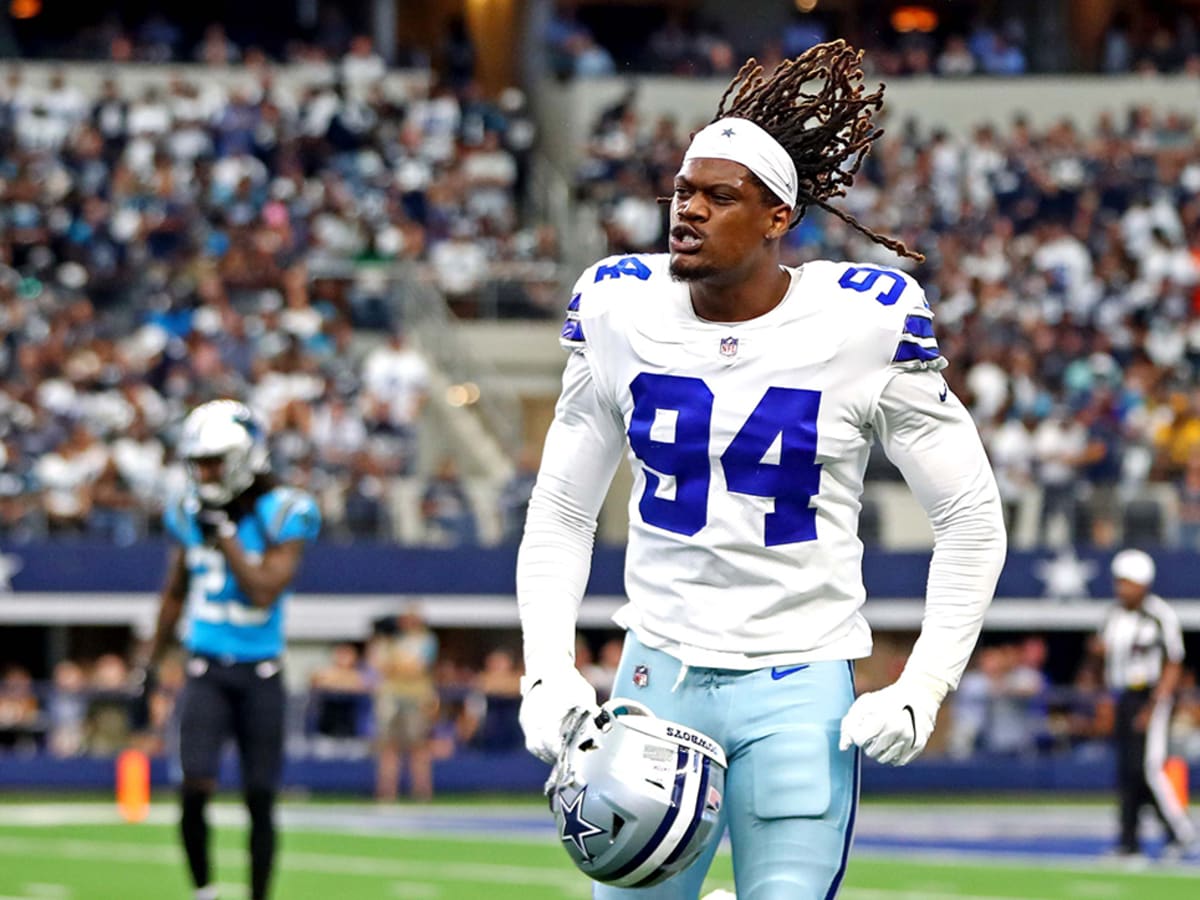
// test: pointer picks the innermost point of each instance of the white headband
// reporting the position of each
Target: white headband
(741, 141)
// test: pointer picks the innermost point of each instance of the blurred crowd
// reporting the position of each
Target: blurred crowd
(162, 246)
(1063, 266)
(1006, 705)
(398, 696)
(912, 42)
(403, 699)
(320, 35)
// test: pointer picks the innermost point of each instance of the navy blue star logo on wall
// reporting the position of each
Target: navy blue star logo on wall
(728, 132)
(575, 827)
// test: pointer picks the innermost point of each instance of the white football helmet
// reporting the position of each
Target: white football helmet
(636, 798)
(228, 430)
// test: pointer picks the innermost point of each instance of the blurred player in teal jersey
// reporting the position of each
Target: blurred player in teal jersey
(241, 537)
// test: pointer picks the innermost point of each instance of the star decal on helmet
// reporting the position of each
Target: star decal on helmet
(728, 132)
(575, 827)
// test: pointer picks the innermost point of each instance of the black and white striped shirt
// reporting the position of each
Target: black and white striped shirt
(1138, 643)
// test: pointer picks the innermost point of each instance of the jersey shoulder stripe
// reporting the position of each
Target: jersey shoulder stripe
(289, 514)
(176, 520)
(612, 279)
(889, 297)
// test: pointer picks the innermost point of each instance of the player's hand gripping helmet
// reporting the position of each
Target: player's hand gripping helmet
(636, 798)
(227, 430)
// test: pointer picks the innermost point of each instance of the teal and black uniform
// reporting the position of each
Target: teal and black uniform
(235, 687)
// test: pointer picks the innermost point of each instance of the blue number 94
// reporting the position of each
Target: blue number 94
(679, 409)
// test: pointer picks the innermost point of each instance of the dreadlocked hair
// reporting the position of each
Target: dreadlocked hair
(815, 107)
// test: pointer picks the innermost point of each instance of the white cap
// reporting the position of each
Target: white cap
(1135, 566)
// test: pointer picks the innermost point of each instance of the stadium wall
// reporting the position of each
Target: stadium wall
(344, 588)
(519, 772)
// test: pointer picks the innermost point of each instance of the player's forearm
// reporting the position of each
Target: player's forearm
(1169, 683)
(553, 564)
(170, 608)
(969, 550)
(262, 582)
(937, 448)
(583, 446)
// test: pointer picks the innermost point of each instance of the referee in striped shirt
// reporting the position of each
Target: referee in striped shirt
(1143, 650)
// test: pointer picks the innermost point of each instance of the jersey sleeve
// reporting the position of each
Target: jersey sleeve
(1172, 634)
(571, 337)
(295, 518)
(932, 439)
(584, 445)
(176, 521)
(585, 295)
(917, 346)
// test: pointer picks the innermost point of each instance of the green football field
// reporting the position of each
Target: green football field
(58, 851)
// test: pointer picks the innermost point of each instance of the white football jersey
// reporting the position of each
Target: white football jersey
(748, 442)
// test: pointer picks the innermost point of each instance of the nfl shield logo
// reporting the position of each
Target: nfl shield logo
(641, 676)
(729, 346)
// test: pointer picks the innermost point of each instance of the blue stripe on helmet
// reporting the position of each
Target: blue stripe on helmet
(697, 815)
(660, 834)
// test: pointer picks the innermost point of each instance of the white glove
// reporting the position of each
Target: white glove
(547, 700)
(892, 725)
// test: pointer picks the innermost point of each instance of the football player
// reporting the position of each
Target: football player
(747, 395)
(240, 538)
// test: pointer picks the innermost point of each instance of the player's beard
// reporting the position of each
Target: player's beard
(690, 271)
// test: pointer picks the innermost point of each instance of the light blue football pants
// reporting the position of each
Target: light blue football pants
(790, 794)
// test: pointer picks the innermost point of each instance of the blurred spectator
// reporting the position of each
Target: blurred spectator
(971, 703)
(459, 266)
(446, 510)
(115, 507)
(401, 658)
(395, 381)
(339, 691)
(1058, 445)
(216, 49)
(1000, 705)
(109, 705)
(362, 65)
(1117, 53)
(1087, 719)
(956, 60)
(364, 504)
(514, 498)
(67, 709)
(603, 672)
(19, 710)
(499, 685)
(66, 477)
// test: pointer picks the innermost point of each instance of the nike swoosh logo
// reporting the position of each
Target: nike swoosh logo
(777, 673)
(913, 717)
(945, 392)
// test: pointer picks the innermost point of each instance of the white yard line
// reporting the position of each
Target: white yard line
(324, 863)
(910, 894)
